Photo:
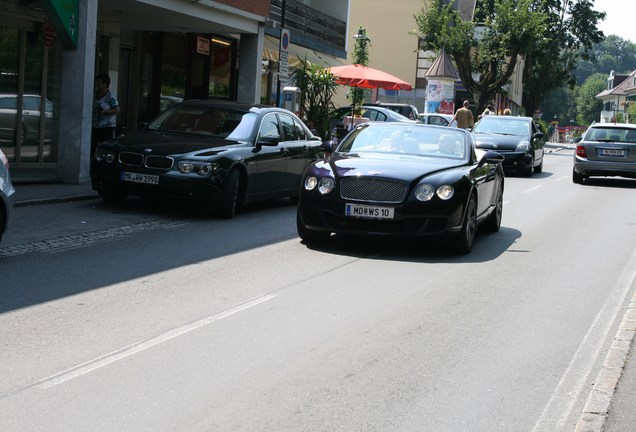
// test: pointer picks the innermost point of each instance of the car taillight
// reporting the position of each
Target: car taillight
(580, 151)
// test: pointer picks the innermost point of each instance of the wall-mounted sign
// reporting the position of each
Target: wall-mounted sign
(203, 45)
(64, 16)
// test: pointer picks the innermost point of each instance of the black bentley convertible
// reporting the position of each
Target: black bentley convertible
(405, 181)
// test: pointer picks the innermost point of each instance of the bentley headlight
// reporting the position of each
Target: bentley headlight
(523, 146)
(201, 168)
(424, 192)
(325, 185)
(311, 182)
(445, 192)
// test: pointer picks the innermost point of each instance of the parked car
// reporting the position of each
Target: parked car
(407, 110)
(6, 194)
(404, 181)
(606, 149)
(518, 139)
(437, 119)
(30, 118)
(373, 113)
(220, 154)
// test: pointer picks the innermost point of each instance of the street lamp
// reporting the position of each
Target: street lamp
(360, 54)
(361, 57)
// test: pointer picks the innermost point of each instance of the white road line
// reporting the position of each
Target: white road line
(572, 382)
(532, 189)
(120, 354)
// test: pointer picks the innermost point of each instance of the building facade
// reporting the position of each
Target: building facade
(156, 52)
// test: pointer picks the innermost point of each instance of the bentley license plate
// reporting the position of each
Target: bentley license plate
(369, 212)
(139, 178)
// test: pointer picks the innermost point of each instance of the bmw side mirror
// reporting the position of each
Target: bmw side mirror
(268, 141)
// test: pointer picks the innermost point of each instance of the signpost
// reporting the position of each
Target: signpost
(283, 64)
(63, 15)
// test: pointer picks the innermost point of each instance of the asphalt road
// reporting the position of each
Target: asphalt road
(145, 317)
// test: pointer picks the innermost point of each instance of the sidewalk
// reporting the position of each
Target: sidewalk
(45, 193)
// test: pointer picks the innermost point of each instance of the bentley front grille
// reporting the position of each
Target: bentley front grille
(373, 189)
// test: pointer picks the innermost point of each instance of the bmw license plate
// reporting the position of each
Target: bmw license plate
(369, 212)
(139, 178)
(611, 152)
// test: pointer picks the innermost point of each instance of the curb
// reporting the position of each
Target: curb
(38, 201)
(596, 409)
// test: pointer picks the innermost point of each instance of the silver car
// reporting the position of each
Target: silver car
(6, 193)
(606, 149)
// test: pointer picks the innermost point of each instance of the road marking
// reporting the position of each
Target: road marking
(532, 189)
(135, 348)
(571, 385)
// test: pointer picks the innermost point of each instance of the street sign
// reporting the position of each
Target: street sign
(63, 15)
(283, 64)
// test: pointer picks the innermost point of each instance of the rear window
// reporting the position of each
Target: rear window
(613, 134)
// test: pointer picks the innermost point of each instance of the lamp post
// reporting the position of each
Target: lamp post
(361, 57)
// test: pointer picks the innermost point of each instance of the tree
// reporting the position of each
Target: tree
(612, 54)
(571, 35)
(484, 63)
(317, 86)
(588, 107)
(551, 35)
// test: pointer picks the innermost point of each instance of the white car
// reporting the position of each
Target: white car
(437, 119)
(6, 193)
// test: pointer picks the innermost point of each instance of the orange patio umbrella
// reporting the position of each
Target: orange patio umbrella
(357, 75)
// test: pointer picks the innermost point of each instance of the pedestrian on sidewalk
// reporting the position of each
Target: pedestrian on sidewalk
(464, 117)
(105, 110)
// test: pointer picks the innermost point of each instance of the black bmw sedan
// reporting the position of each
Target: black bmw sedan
(220, 154)
(406, 181)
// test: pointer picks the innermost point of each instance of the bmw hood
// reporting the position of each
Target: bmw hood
(160, 143)
(499, 142)
(398, 166)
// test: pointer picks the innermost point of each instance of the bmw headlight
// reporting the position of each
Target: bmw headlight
(104, 156)
(424, 192)
(325, 185)
(523, 146)
(201, 168)
(445, 192)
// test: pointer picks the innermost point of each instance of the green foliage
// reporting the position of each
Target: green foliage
(612, 54)
(588, 107)
(317, 86)
(551, 36)
(361, 57)
(631, 111)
